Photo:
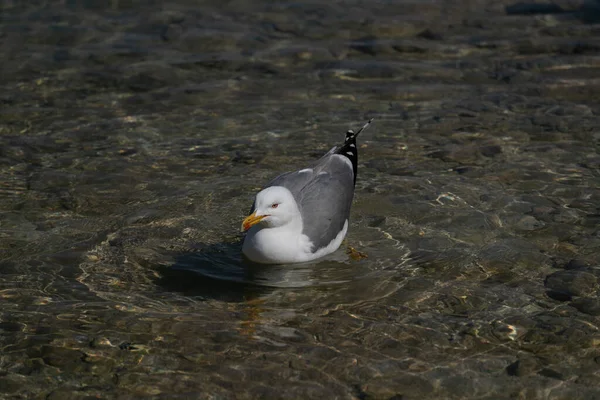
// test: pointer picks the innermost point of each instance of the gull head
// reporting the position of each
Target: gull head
(274, 206)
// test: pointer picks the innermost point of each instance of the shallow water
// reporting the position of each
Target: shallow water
(134, 136)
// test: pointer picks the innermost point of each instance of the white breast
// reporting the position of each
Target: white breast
(282, 245)
(275, 245)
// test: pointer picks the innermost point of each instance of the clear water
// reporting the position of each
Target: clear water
(134, 136)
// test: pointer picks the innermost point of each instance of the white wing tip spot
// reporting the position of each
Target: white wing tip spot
(305, 170)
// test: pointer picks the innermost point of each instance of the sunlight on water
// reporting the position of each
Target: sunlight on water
(134, 137)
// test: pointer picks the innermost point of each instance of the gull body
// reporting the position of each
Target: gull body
(303, 215)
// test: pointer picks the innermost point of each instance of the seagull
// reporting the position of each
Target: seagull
(303, 215)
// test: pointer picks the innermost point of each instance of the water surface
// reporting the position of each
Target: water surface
(134, 136)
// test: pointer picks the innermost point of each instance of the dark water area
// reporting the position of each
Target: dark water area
(135, 134)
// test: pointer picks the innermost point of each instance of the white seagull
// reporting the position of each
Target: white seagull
(303, 215)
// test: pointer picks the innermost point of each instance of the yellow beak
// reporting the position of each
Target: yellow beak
(251, 220)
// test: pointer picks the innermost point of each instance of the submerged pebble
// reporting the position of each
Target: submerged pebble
(134, 138)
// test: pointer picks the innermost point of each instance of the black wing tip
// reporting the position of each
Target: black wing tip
(350, 133)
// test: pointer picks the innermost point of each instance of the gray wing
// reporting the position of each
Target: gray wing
(325, 207)
(324, 199)
(293, 181)
(296, 181)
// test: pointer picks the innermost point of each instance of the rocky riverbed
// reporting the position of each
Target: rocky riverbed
(135, 134)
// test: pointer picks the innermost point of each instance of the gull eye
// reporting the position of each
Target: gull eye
(274, 205)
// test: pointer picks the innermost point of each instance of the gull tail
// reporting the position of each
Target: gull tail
(349, 149)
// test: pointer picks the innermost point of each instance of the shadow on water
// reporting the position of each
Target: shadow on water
(220, 272)
(588, 12)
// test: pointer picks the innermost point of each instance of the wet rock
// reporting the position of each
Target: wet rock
(200, 41)
(466, 153)
(572, 283)
(246, 158)
(145, 81)
(460, 384)
(471, 171)
(398, 387)
(590, 306)
(61, 357)
(490, 151)
(559, 296)
(529, 223)
(589, 380)
(567, 216)
(524, 366)
(528, 8)
(11, 326)
(10, 384)
(576, 264)
(430, 35)
(372, 45)
(64, 393)
(407, 46)
(419, 284)
(171, 32)
(168, 17)
(591, 220)
(359, 70)
(127, 152)
(543, 213)
(390, 166)
(550, 373)
(507, 254)
(376, 221)
(519, 207)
